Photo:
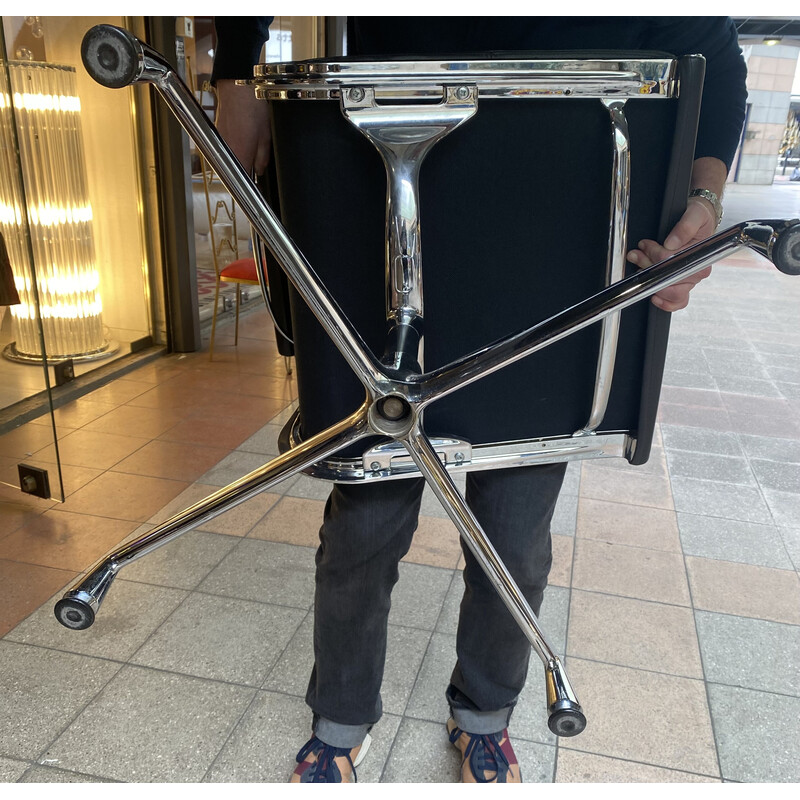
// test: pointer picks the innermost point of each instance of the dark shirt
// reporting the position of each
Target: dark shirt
(239, 42)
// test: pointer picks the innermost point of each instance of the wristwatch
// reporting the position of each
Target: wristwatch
(712, 198)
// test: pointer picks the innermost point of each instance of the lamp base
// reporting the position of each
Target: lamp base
(108, 349)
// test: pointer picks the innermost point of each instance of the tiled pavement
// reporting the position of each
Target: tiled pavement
(675, 592)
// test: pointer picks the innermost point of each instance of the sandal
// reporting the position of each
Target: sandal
(486, 758)
(324, 769)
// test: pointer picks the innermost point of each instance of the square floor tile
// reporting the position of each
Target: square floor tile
(758, 734)
(371, 770)
(787, 450)
(784, 507)
(751, 653)
(791, 540)
(292, 670)
(267, 572)
(657, 719)
(561, 570)
(694, 416)
(62, 540)
(121, 496)
(419, 595)
(436, 543)
(618, 523)
(39, 774)
(529, 721)
(149, 726)
(577, 767)
(42, 690)
(553, 616)
(129, 614)
(780, 476)
(95, 449)
(16, 508)
(263, 746)
(174, 460)
(11, 770)
(192, 494)
(221, 638)
(630, 571)
(448, 617)
(312, 488)
(405, 650)
(236, 466)
(25, 588)
(744, 590)
(601, 483)
(689, 380)
(293, 520)
(634, 633)
(710, 466)
(565, 515)
(147, 422)
(422, 754)
(431, 506)
(732, 540)
(713, 499)
(762, 425)
(182, 563)
(242, 518)
(205, 426)
(264, 442)
(700, 440)
(427, 700)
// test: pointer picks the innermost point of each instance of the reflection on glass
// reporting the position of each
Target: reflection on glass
(47, 111)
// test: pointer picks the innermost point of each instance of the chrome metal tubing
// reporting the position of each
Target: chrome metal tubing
(153, 68)
(437, 477)
(514, 79)
(403, 135)
(615, 266)
(91, 588)
(432, 386)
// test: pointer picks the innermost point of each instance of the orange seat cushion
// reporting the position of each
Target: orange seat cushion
(242, 270)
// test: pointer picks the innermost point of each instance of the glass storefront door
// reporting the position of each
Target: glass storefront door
(75, 189)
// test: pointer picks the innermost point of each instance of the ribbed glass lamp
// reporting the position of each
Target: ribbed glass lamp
(47, 112)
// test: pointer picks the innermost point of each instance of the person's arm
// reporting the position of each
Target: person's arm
(721, 119)
(698, 222)
(242, 119)
(243, 122)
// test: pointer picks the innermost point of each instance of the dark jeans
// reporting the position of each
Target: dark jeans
(367, 529)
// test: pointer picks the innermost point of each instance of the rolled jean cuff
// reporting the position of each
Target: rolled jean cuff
(481, 722)
(338, 735)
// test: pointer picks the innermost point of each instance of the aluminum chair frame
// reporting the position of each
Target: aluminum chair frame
(396, 396)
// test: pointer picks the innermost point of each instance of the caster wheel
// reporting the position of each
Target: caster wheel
(111, 56)
(567, 722)
(786, 252)
(75, 614)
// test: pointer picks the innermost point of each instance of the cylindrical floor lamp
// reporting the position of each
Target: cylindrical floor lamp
(64, 272)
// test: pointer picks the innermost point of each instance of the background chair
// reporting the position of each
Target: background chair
(224, 240)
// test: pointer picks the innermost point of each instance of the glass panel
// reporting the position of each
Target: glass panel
(72, 213)
(20, 320)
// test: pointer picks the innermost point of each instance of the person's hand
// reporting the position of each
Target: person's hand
(243, 122)
(697, 223)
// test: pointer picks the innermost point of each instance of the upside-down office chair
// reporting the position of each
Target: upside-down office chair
(537, 348)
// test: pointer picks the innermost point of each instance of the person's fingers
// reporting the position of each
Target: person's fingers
(676, 297)
(648, 253)
(699, 216)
